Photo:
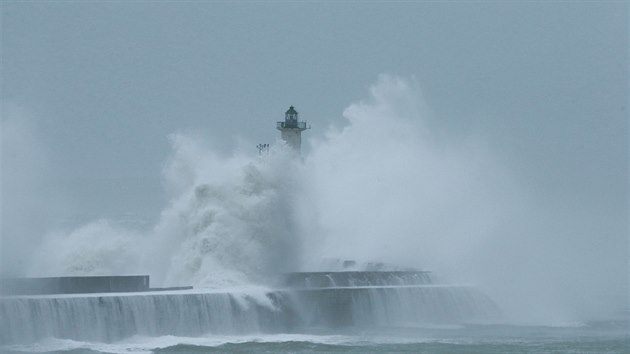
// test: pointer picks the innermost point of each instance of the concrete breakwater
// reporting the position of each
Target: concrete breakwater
(110, 317)
(78, 285)
(356, 278)
(138, 283)
(73, 285)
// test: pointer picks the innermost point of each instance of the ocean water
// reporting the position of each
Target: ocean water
(594, 337)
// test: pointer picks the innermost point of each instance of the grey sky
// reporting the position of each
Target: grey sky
(102, 84)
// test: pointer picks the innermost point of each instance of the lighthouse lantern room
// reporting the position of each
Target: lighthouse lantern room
(291, 129)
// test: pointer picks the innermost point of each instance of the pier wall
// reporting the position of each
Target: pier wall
(74, 285)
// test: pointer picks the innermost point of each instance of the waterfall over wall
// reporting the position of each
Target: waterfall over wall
(398, 300)
(110, 317)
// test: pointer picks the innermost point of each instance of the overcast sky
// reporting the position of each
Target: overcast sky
(91, 90)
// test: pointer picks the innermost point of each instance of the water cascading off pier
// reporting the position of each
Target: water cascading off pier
(305, 304)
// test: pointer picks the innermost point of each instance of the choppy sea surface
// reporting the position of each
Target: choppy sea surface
(594, 337)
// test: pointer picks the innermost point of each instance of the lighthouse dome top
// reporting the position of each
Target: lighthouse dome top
(291, 114)
(291, 111)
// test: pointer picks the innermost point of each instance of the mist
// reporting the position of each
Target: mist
(382, 185)
(24, 210)
(388, 187)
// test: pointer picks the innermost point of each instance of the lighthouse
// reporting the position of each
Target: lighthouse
(291, 129)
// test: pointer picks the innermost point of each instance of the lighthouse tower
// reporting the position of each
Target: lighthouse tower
(291, 129)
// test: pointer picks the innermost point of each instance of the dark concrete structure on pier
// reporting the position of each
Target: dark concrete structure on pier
(74, 285)
(78, 285)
